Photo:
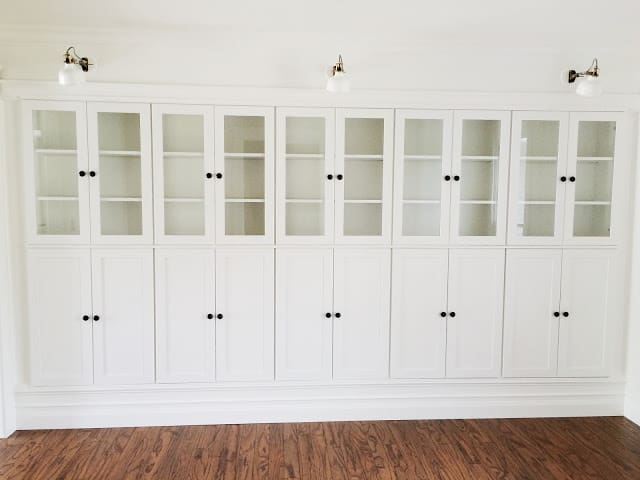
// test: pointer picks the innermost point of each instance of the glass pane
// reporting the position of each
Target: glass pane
(121, 217)
(243, 134)
(423, 137)
(305, 179)
(244, 218)
(364, 136)
(182, 133)
(477, 220)
(594, 180)
(244, 178)
(184, 217)
(305, 135)
(422, 180)
(119, 131)
(480, 138)
(183, 177)
(421, 219)
(537, 220)
(304, 218)
(479, 180)
(596, 139)
(362, 179)
(56, 172)
(120, 176)
(363, 218)
(592, 220)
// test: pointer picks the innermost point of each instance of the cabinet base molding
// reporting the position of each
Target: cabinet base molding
(632, 407)
(161, 405)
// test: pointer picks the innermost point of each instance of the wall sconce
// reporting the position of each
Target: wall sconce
(74, 68)
(589, 85)
(338, 81)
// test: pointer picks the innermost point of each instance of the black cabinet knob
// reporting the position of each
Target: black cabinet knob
(328, 315)
(339, 176)
(218, 175)
(452, 314)
(209, 175)
(572, 179)
(219, 316)
(563, 178)
(210, 316)
(92, 173)
(329, 177)
(456, 178)
(96, 318)
(338, 314)
(556, 314)
(82, 173)
(443, 314)
(85, 318)
(447, 178)
(565, 314)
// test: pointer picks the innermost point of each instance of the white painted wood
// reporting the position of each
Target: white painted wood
(304, 295)
(222, 237)
(159, 180)
(29, 136)
(98, 236)
(185, 296)
(589, 278)
(342, 115)
(399, 176)
(361, 297)
(123, 337)
(498, 180)
(245, 299)
(59, 295)
(474, 335)
(532, 296)
(519, 175)
(418, 299)
(327, 115)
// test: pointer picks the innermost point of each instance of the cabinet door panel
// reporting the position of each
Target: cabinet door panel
(59, 296)
(244, 298)
(419, 296)
(123, 336)
(185, 295)
(532, 295)
(304, 295)
(587, 283)
(476, 282)
(361, 297)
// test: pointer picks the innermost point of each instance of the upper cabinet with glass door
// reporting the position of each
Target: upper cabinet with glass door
(305, 175)
(422, 176)
(183, 173)
(479, 177)
(56, 172)
(364, 152)
(120, 172)
(244, 150)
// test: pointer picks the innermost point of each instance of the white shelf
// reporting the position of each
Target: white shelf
(363, 157)
(479, 158)
(585, 202)
(121, 199)
(536, 202)
(244, 200)
(57, 198)
(362, 201)
(184, 200)
(318, 156)
(300, 200)
(244, 155)
(595, 159)
(120, 153)
(539, 158)
(183, 154)
(55, 151)
(477, 202)
(422, 202)
(423, 157)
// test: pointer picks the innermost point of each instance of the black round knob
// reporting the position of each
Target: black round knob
(329, 177)
(338, 314)
(85, 317)
(82, 173)
(210, 316)
(218, 175)
(452, 314)
(572, 179)
(447, 178)
(563, 178)
(92, 173)
(565, 314)
(219, 316)
(556, 314)
(339, 176)
(456, 178)
(96, 318)
(328, 315)
(443, 314)
(209, 175)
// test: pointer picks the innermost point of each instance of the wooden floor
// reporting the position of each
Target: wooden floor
(540, 449)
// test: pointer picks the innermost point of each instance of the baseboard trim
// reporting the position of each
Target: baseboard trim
(158, 405)
(632, 408)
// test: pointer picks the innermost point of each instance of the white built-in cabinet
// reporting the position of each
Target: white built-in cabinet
(332, 313)
(91, 316)
(446, 313)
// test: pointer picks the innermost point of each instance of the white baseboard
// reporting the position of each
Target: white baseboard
(632, 408)
(156, 405)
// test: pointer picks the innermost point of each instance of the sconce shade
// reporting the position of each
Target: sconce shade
(589, 87)
(71, 74)
(339, 82)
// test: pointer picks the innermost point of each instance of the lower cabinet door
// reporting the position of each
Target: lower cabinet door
(123, 327)
(304, 313)
(185, 298)
(59, 286)
(361, 313)
(245, 314)
(418, 299)
(532, 296)
(474, 331)
(586, 305)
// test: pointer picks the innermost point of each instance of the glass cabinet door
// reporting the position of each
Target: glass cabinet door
(364, 141)
(479, 177)
(538, 163)
(183, 173)
(120, 171)
(56, 171)
(305, 177)
(244, 169)
(590, 177)
(422, 176)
